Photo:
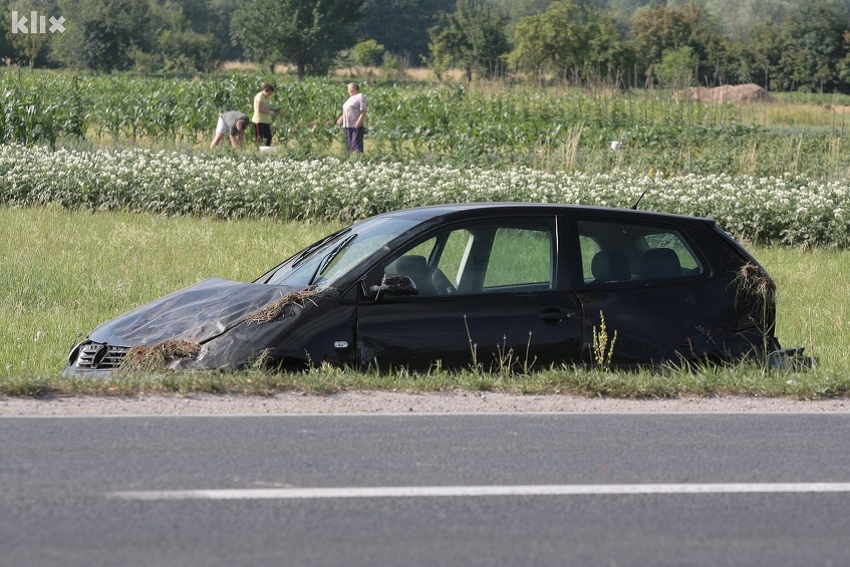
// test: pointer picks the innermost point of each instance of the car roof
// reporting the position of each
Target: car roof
(468, 210)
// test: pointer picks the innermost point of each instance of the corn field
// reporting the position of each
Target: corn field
(552, 129)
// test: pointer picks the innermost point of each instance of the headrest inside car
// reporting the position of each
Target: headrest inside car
(610, 266)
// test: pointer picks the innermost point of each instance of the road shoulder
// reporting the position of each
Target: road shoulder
(381, 402)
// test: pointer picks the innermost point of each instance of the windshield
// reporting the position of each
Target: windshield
(321, 264)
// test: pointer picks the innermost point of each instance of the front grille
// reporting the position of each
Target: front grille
(100, 356)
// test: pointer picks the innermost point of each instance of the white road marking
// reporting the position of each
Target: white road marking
(442, 491)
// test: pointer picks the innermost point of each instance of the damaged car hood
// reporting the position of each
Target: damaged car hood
(196, 313)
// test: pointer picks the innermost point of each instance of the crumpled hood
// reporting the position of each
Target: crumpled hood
(196, 313)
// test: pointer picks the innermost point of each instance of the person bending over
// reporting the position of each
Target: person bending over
(232, 122)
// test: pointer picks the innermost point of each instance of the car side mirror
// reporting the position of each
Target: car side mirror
(394, 285)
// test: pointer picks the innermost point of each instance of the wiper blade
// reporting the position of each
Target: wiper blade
(330, 257)
(307, 252)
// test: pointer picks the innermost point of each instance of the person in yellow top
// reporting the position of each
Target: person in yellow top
(263, 112)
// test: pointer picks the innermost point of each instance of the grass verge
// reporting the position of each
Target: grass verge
(64, 272)
(662, 383)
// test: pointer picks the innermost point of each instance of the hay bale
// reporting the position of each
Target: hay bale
(748, 93)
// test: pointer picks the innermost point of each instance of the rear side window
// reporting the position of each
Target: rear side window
(613, 252)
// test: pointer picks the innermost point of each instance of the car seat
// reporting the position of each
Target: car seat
(660, 263)
(416, 268)
(610, 266)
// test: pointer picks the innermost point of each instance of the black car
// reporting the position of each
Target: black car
(463, 285)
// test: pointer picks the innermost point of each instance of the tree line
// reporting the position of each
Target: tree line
(782, 45)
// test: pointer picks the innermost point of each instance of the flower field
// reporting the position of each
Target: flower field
(789, 210)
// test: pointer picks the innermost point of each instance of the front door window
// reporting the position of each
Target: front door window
(486, 295)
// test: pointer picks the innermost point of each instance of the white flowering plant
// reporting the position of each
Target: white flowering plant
(788, 210)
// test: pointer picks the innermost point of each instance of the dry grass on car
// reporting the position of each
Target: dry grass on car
(275, 309)
(160, 355)
(754, 287)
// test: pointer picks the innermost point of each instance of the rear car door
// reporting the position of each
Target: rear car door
(488, 296)
(653, 292)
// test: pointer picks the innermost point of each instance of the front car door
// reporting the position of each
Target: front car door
(488, 296)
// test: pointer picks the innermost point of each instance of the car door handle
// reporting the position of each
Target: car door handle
(555, 315)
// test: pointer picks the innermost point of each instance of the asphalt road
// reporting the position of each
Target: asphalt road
(425, 490)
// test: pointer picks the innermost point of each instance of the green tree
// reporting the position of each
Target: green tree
(844, 64)
(676, 69)
(438, 60)
(176, 46)
(474, 37)
(549, 40)
(624, 10)
(755, 57)
(146, 35)
(100, 34)
(6, 49)
(212, 18)
(659, 29)
(569, 38)
(31, 47)
(516, 10)
(812, 45)
(306, 33)
(368, 53)
(736, 18)
(401, 26)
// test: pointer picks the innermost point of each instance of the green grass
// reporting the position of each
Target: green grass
(64, 272)
(813, 301)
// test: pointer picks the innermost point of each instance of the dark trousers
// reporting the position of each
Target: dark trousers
(264, 133)
(354, 136)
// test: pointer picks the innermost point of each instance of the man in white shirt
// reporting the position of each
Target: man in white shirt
(353, 115)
